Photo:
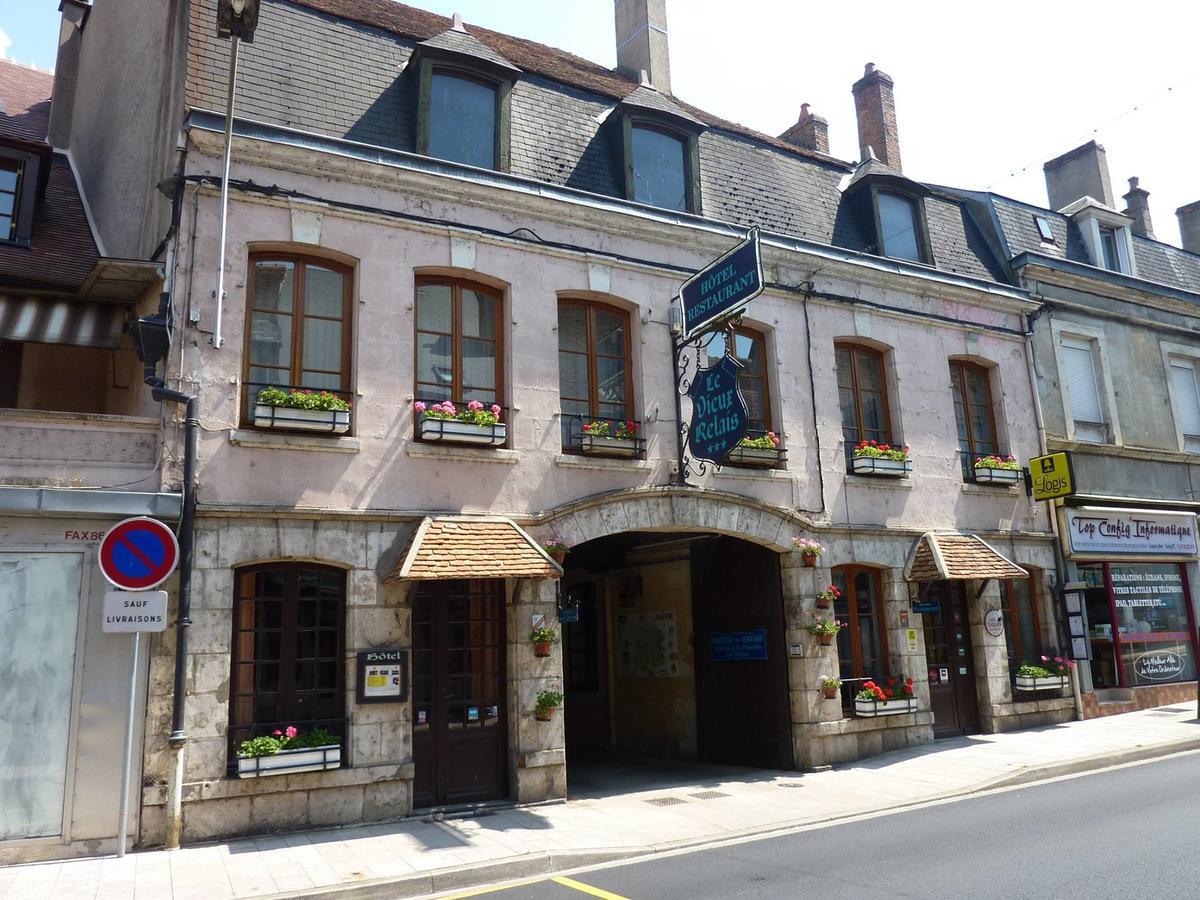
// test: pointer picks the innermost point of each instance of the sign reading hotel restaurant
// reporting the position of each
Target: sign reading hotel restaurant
(719, 417)
(1130, 532)
(1051, 476)
(721, 289)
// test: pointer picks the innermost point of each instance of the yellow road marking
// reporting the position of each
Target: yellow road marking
(587, 889)
(491, 890)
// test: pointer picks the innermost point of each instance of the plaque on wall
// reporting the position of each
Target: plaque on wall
(382, 676)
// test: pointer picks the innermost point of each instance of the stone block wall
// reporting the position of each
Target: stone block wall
(537, 750)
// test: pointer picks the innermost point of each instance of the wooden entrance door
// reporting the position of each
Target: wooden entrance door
(951, 662)
(737, 607)
(460, 731)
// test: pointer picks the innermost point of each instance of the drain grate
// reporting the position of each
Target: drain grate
(1175, 709)
(665, 801)
(788, 784)
(708, 795)
(1162, 712)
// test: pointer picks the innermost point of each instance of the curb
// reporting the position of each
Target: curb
(534, 865)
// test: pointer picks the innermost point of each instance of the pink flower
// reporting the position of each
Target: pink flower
(474, 406)
(277, 733)
(495, 409)
(1045, 659)
(291, 731)
(419, 407)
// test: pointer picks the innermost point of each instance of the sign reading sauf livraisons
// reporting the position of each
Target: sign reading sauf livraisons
(721, 289)
(719, 417)
(1130, 532)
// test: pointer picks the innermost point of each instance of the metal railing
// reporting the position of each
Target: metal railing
(603, 436)
(239, 733)
(262, 415)
(756, 457)
(431, 429)
(971, 474)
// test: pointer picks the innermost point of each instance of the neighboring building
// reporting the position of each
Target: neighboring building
(1116, 350)
(79, 450)
(422, 211)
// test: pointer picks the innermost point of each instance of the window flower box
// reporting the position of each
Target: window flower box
(445, 423)
(1005, 477)
(871, 708)
(335, 421)
(874, 465)
(1035, 683)
(753, 457)
(289, 762)
(621, 448)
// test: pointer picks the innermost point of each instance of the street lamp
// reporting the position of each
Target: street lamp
(237, 19)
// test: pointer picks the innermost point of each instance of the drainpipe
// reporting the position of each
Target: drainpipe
(219, 293)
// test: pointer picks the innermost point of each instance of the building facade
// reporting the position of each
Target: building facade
(437, 213)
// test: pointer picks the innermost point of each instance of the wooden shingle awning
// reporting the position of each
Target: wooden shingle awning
(472, 547)
(954, 556)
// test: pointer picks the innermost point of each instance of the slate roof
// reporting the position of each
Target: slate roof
(62, 249)
(472, 547)
(339, 68)
(951, 556)
(464, 44)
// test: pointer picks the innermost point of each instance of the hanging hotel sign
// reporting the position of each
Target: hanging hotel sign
(719, 416)
(1051, 476)
(721, 289)
(1130, 532)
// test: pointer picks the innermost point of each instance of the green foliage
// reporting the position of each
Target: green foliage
(302, 399)
(768, 441)
(819, 627)
(287, 739)
(997, 462)
(830, 682)
(543, 635)
(549, 700)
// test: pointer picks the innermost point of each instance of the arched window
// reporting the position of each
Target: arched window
(749, 349)
(973, 413)
(862, 394)
(458, 341)
(288, 650)
(298, 329)
(862, 644)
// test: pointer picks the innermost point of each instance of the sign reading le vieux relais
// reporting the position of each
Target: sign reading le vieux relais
(708, 300)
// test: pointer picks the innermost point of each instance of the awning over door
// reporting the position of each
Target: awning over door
(49, 320)
(953, 556)
(472, 547)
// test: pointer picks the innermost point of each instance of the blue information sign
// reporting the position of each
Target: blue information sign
(719, 417)
(730, 646)
(926, 607)
(722, 288)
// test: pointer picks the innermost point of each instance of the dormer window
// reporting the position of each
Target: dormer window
(19, 178)
(659, 144)
(659, 168)
(462, 120)
(10, 192)
(1105, 233)
(899, 226)
(1110, 258)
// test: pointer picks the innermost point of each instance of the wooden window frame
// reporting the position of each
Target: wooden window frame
(984, 373)
(591, 307)
(457, 285)
(759, 337)
(502, 155)
(289, 632)
(879, 355)
(691, 158)
(296, 369)
(850, 597)
(1012, 621)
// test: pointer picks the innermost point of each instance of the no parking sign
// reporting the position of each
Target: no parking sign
(138, 554)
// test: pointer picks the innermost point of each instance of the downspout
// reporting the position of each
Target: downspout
(219, 293)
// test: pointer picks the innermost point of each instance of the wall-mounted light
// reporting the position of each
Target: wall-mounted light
(237, 18)
(676, 319)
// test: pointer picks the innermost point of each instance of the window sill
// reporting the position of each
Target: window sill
(420, 450)
(246, 437)
(577, 461)
(990, 488)
(751, 472)
(875, 481)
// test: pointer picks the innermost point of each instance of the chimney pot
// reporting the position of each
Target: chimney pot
(875, 106)
(1079, 173)
(456, 23)
(1189, 226)
(641, 29)
(810, 132)
(1137, 207)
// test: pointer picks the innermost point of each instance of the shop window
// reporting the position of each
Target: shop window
(750, 350)
(1187, 401)
(973, 414)
(1083, 389)
(1140, 624)
(463, 114)
(288, 651)
(862, 643)
(594, 382)
(298, 333)
(901, 235)
(458, 346)
(1022, 625)
(862, 394)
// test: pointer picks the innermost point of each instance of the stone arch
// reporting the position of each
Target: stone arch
(673, 509)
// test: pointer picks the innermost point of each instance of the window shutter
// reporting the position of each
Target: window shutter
(1081, 381)
(1187, 399)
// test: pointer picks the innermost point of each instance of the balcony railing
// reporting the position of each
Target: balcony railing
(603, 436)
(997, 477)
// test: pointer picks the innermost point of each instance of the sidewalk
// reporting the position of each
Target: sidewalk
(414, 857)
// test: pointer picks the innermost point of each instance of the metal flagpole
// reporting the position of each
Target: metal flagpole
(123, 823)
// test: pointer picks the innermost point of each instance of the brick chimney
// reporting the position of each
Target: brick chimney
(810, 132)
(1079, 173)
(642, 41)
(1137, 207)
(876, 110)
(1189, 226)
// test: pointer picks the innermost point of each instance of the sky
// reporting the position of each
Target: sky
(985, 92)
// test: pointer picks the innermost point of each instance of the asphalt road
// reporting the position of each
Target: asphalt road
(1129, 833)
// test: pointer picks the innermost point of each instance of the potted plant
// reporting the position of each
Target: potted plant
(809, 550)
(287, 751)
(605, 438)
(994, 469)
(1052, 675)
(557, 547)
(828, 597)
(762, 451)
(445, 422)
(301, 410)
(824, 630)
(543, 638)
(873, 458)
(830, 687)
(546, 703)
(894, 697)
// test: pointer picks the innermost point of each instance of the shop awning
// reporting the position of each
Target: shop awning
(472, 547)
(58, 320)
(954, 556)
